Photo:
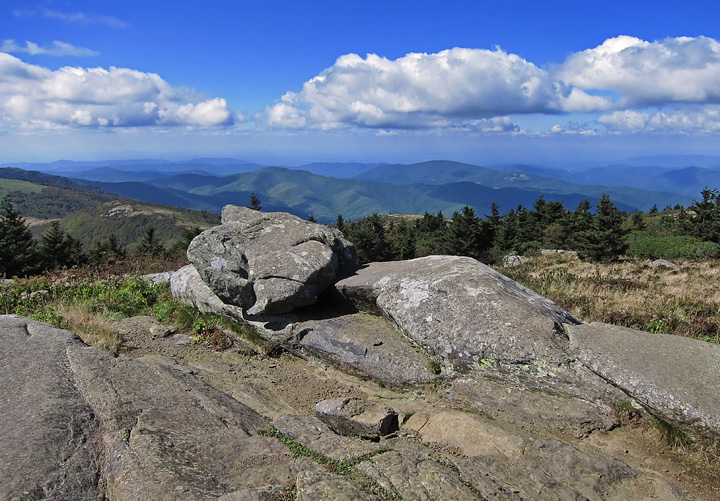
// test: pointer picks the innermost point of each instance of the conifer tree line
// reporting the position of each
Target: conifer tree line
(603, 234)
(21, 255)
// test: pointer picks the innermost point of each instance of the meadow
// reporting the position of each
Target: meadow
(684, 301)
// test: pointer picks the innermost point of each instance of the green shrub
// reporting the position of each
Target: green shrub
(671, 247)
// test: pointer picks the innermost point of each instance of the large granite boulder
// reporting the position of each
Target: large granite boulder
(269, 263)
(462, 312)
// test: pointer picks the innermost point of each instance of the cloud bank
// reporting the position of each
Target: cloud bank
(460, 87)
(33, 97)
(426, 90)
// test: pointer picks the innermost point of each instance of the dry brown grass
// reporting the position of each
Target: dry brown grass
(630, 293)
(92, 328)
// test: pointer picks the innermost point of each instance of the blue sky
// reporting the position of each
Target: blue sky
(292, 82)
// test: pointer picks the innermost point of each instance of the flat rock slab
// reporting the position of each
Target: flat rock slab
(674, 376)
(535, 410)
(47, 438)
(461, 311)
(368, 346)
(542, 469)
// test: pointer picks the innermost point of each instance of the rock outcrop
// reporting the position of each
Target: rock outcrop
(516, 386)
(461, 311)
(675, 377)
(269, 263)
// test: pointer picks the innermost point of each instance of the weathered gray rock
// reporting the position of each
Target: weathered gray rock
(513, 259)
(312, 486)
(673, 376)
(557, 252)
(365, 345)
(47, 438)
(537, 408)
(461, 311)
(188, 287)
(269, 263)
(158, 278)
(419, 476)
(663, 263)
(357, 417)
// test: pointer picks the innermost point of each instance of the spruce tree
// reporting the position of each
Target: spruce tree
(431, 235)
(149, 245)
(340, 223)
(606, 240)
(254, 202)
(464, 233)
(18, 249)
(59, 249)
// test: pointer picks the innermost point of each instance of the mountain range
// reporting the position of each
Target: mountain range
(356, 190)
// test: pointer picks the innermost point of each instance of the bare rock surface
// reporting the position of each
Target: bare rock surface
(537, 468)
(269, 263)
(673, 376)
(46, 422)
(538, 410)
(162, 424)
(368, 346)
(461, 311)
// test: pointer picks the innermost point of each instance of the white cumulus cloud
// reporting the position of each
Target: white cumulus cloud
(426, 90)
(56, 49)
(32, 96)
(644, 73)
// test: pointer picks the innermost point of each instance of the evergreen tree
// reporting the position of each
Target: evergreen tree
(431, 235)
(180, 247)
(464, 233)
(490, 226)
(507, 235)
(606, 239)
(59, 249)
(402, 238)
(637, 223)
(706, 222)
(106, 251)
(579, 222)
(312, 219)
(340, 224)
(368, 235)
(254, 202)
(18, 249)
(149, 245)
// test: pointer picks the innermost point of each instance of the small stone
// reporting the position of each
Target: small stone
(355, 416)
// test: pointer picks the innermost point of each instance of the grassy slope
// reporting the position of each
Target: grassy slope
(128, 220)
(685, 301)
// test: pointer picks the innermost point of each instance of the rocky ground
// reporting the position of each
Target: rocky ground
(282, 383)
(436, 378)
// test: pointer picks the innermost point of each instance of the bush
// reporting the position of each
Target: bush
(671, 247)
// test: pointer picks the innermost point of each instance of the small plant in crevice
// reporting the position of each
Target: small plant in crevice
(672, 433)
(343, 467)
(289, 492)
(625, 412)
